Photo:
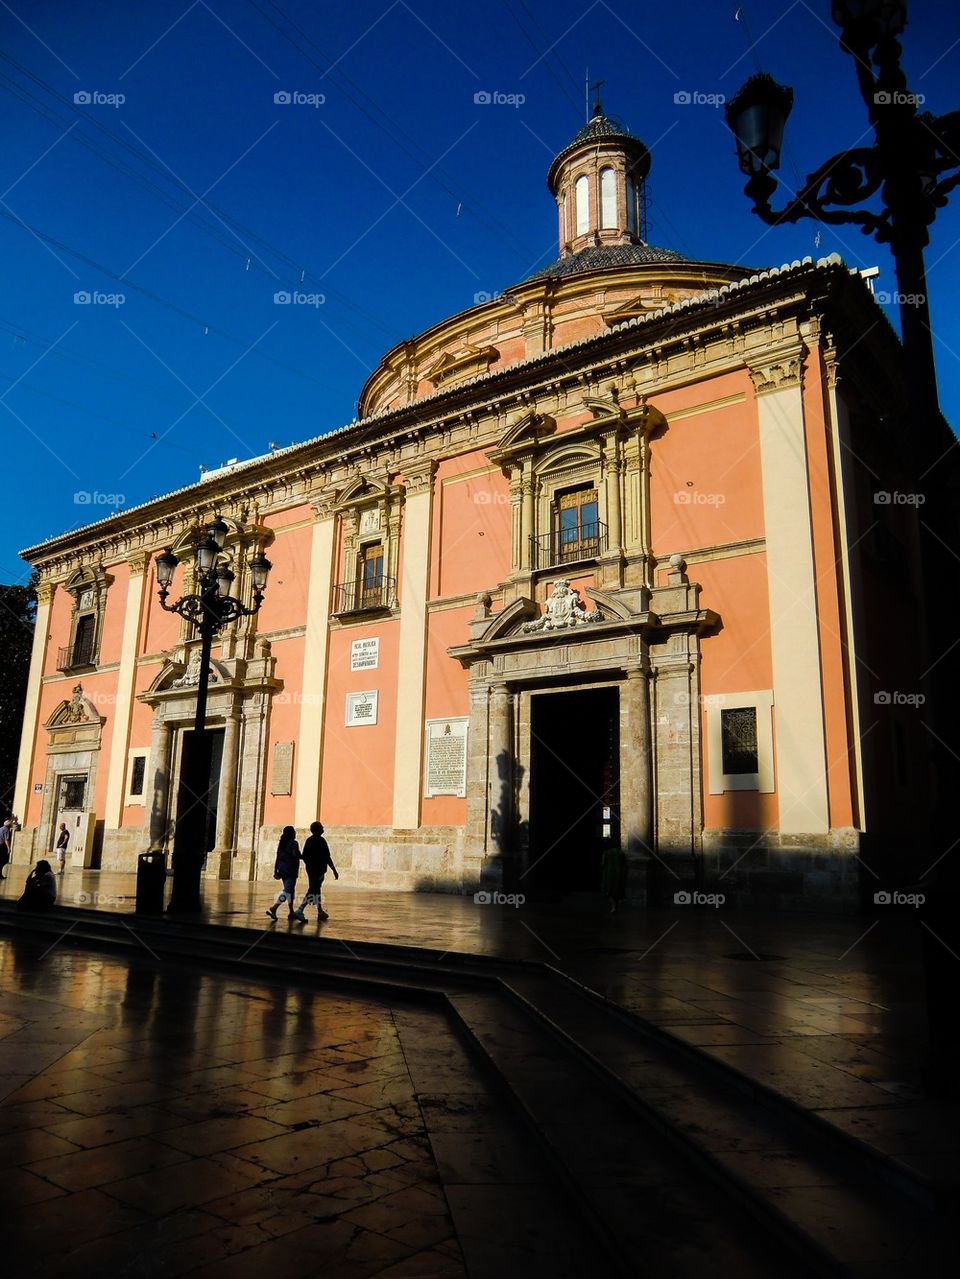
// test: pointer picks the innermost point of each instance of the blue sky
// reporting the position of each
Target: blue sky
(397, 199)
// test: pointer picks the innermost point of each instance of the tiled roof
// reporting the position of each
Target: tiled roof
(599, 258)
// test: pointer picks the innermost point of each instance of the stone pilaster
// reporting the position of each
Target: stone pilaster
(499, 798)
(636, 771)
(219, 861)
(31, 710)
(126, 689)
(161, 763)
(313, 693)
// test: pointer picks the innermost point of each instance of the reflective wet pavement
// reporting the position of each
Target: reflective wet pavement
(159, 1122)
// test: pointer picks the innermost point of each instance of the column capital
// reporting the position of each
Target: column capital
(138, 562)
(418, 476)
(45, 593)
(777, 369)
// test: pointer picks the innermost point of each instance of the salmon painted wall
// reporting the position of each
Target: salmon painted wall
(830, 618)
(447, 693)
(111, 636)
(705, 482)
(285, 601)
(162, 629)
(737, 659)
(357, 763)
(471, 526)
(141, 721)
(285, 713)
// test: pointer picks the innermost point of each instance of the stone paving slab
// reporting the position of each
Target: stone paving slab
(826, 1009)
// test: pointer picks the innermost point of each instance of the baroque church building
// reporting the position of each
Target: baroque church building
(609, 558)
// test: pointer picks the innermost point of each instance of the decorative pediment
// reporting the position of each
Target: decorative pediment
(524, 433)
(563, 609)
(653, 298)
(74, 711)
(362, 488)
(177, 676)
(455, 366)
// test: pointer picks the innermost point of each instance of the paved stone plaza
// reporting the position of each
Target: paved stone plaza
(156, 1121)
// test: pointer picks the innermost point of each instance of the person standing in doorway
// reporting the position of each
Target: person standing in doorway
(63, 843)
(316, 859)
(286, 868)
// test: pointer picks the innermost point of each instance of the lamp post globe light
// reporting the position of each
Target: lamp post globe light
(209, 609)
(909, 170)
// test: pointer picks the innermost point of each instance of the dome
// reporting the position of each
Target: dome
(606, 256)
(606, 129)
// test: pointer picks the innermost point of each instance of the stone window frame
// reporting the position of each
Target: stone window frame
(763, 781)
(96, 581)
(129, 799)
(556, 470)
(364, 493)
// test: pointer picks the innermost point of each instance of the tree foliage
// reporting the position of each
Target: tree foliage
(18, 610)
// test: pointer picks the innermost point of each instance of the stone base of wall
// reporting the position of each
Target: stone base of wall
(121, 848)
(432, 859)
(781, 872)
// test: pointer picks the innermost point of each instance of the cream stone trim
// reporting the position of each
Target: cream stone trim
(719, 551)
(470, 475)
(794, 638)
(411, 673)
(290, 528)
(137, 801)
(123, 707)
(709, 407)
(31, 718)
(763, 779)
(313, 703)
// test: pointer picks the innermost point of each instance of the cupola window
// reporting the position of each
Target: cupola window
(582, 196)
(608, 198)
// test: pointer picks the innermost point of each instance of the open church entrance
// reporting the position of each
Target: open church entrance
(574, 788)
(196, 813)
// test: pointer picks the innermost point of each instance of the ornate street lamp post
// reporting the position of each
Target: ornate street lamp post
(913, 164)
(209, 610)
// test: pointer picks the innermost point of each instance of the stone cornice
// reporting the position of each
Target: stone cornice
(644, 357)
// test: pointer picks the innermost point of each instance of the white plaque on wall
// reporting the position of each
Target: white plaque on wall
(446, 762)
(370, 520)
(361, 709)
(281, 779)
(365, 654)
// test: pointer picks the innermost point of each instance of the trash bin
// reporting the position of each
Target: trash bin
(151, 878)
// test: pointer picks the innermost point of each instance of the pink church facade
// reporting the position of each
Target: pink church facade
(598, 563)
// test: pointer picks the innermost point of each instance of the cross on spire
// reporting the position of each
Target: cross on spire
(597, 105)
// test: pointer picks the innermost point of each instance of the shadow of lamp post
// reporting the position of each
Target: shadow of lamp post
(911, 166)
(209, 610)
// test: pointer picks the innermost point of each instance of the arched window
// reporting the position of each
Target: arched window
(564, 229)
(608, 198)
(632, 205)
(582, 196)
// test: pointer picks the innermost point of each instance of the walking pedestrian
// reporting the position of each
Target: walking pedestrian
(40, 889)
(286, 868)
(316, 858)
(63, 843)
(6, 845)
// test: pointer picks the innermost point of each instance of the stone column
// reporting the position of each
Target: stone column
(791, 579)
(313, 692)
(161, 744)
(126, 688)
(31, 709)
(411, 674)
(636, 771)
(219, 861)
(614, 523)
(500, 814)
(528, 520)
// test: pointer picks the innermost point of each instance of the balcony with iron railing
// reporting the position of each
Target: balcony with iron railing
(77, 656)
(361, 596)
(568, 546)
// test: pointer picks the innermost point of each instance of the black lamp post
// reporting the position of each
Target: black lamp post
(209, 610)
(913, 164)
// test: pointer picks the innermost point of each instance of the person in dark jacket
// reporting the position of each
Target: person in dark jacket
(286, 868)
(40, 889)
(316, 858)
